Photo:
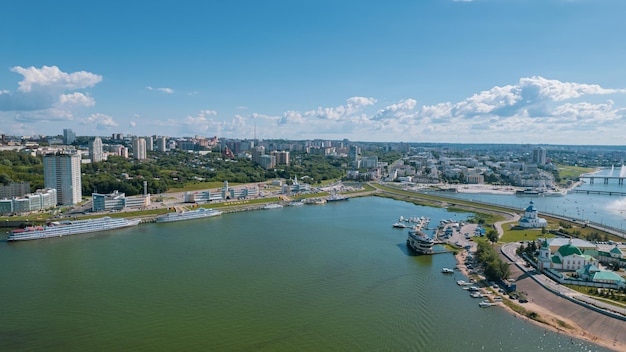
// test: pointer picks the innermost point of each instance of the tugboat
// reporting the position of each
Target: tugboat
(419, 242)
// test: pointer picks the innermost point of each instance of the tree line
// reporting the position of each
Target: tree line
(173, 169)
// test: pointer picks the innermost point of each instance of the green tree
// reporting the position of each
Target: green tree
(5, 179)
(492, 235)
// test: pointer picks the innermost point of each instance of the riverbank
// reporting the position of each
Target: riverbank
(545, 317)
(510, 190)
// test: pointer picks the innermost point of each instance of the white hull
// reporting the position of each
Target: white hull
(68, 228)
(420, 243)
(188, 215)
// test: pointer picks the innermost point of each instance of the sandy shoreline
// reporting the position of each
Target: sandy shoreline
(550, 321)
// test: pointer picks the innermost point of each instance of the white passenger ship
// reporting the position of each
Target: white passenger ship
(419, 242)
(188, 215)
(70, 227)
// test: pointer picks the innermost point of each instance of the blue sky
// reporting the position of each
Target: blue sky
(481, 71)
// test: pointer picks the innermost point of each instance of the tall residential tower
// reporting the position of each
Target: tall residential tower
(139, 149)
(95, 150)
(61, 171)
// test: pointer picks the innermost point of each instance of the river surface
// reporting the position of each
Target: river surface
(608, 210)
(333, 277)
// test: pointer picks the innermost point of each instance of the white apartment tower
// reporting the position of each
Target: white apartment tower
(161, 144)
(95, 150)
(61, 171)
(139, 149)
(150, 143)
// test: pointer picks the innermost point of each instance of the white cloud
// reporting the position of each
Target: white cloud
(52, 76)
(48, 94)
(292, 117)
(352, 106)
(515, 112)
(557, 90)
(202, 122)
(132, 124)
(76, 99)
(47, 115)
(164, 90)
(208, 113)
(361, 101)
(100, 121)
(396, 110)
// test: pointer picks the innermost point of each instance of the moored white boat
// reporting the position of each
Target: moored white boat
(67, 227)
(419, 242)
(485, 304)
(447, 271)
(188, 215)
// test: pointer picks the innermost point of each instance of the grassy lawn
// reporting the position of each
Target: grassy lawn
(368, 188)
(512, 233)
(515, 234)
(619, 300)
(568, 171)
(365, 188)
(199, 186)
(243, 202)
(311, 195)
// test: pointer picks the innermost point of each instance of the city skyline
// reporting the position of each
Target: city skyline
(473, 71)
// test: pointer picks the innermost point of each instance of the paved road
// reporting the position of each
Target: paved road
(598, 324)
(512, 218)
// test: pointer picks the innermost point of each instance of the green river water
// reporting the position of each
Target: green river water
(333, 277)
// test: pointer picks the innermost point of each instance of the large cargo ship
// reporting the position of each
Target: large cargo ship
(70, 227)
(188, 215)
(419, 242)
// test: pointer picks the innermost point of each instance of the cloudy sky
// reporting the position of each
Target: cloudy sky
(470, 71)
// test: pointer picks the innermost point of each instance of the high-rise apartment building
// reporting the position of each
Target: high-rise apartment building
(150, 143)
(61, 171)
(139, 149)
(68, 136)
(256, 153)
(95, 150)
(353, 153)
(282, 157)
(539, 156)
(162, 144)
